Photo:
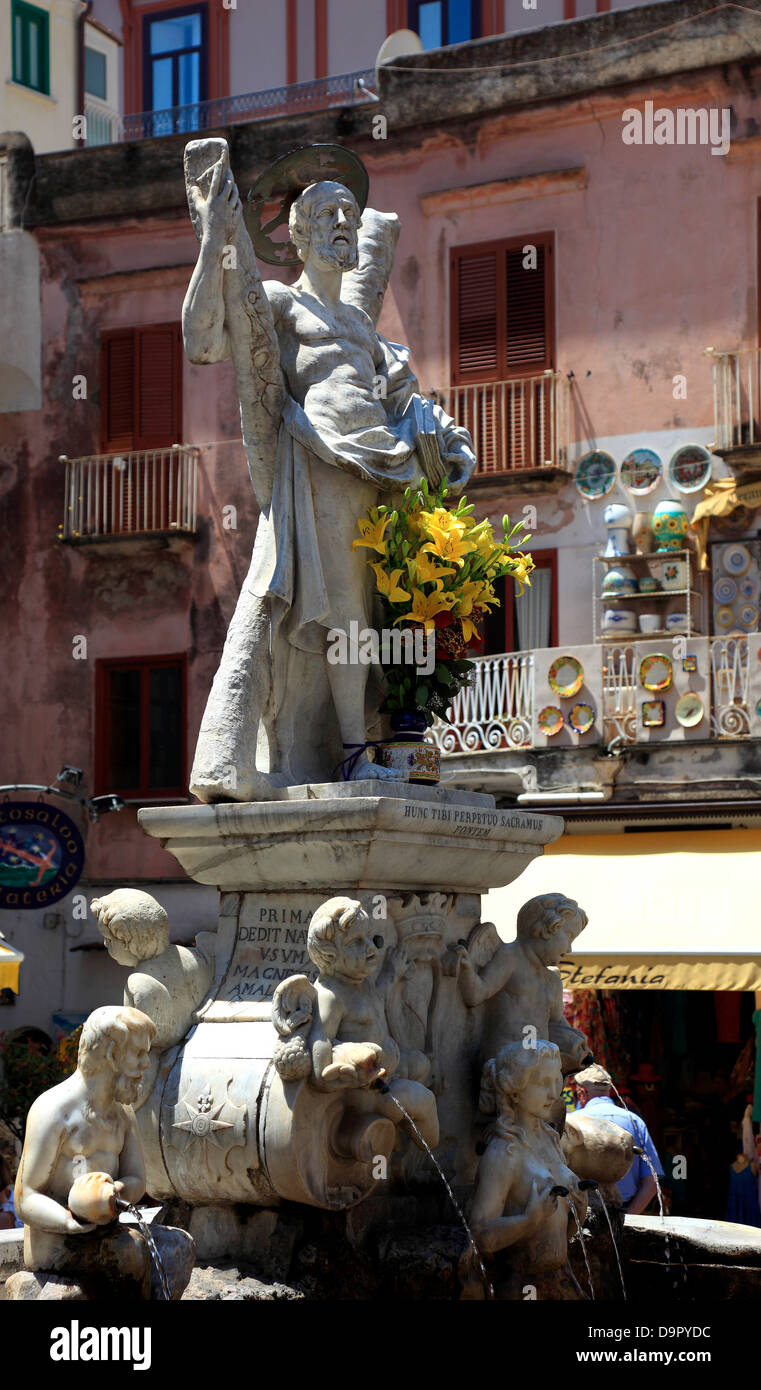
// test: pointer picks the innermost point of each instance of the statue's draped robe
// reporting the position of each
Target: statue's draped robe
(305, 579)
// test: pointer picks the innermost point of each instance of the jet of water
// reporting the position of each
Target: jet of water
(147, 1235)
(452, 1198)
(615, 1245)
(580, 1234)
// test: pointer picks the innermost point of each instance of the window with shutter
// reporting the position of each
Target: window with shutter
(141, 388)
(141, 727)
(502, 341)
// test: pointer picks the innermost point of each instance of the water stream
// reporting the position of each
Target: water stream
(580, 1234)
(452, 1198)
(641, 1153)
(615, 1246)
(147, 1235)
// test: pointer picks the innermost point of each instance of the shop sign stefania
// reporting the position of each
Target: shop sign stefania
(41, 854)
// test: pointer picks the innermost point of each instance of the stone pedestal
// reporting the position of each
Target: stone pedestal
(221, 1125)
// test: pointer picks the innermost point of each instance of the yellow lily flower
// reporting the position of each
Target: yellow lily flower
(522, 566)
(388, 584)
(449, 544)
(422, 569)
(371, 533)
(426, 606)
(469, 630)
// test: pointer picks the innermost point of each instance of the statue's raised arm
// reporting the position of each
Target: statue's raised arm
(226, 313)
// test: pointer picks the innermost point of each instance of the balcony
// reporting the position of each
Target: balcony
(318, 95)
(102, 124)
(110, 497)
(737, 407)
(495, 737)
(519, 427)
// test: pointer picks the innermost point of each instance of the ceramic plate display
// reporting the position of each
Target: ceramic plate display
(758, 708)
(653, 713)
(690, 468)
(581, 718)
(565, 676)
(550, 720)
(736, 559)
(725, 590)
(748, 616)
(655, 671)
(724, 617)
(641, 471)
(689, 663)
(748, 589)
(689, 710)
(595, 474)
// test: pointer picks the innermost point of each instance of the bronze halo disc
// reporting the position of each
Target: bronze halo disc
(288, 177)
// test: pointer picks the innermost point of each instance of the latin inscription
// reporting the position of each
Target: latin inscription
(465, 821)
(270, 945)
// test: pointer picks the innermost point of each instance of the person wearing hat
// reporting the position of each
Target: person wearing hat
(638, 1187)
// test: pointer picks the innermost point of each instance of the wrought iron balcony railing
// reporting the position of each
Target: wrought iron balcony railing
(129, 494)
(498, 710)
(736, 398)
(516, 425)
(318, 95)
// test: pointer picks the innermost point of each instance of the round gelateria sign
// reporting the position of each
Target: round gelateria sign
(41, 854)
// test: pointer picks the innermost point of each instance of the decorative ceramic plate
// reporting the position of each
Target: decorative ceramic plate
(641, 471)
(689, 710)
(653, 713)
(748, 588)
(736, 559)
(565, 676)
(655, 671)
(595, 474)
(747, 615)
(758, 708)
(581, 718)
(725, 590)
(550, 720)
(690, 468)
(689, 663)
(724, 617)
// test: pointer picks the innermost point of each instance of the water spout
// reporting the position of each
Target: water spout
(452, 1198)
(147, 1235)
(615, 1246)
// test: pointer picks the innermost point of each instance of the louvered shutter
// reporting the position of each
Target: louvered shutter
(477, 313)
(117, 391)
(526, 344)
(157, 423)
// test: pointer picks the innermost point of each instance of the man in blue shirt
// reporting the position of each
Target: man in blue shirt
(637, 1188)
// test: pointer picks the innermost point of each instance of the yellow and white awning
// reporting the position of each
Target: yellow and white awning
(667, 910)
(10, 960)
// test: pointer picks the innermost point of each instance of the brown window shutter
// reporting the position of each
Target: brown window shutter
(117, 391)
(527, 343)
(476, 317)
(158, 395)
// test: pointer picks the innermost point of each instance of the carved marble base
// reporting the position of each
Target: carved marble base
(221, 1125)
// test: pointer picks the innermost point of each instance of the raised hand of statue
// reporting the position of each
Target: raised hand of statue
(219, 213)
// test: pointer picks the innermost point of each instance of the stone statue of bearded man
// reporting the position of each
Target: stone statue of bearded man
(333, 423)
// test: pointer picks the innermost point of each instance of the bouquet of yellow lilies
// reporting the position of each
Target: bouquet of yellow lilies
(437, 571)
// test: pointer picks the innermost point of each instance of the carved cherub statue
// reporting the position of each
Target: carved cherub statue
(82, 1152)
(172, 980)
(337, 1031)
(520, 989)
(513, 1204)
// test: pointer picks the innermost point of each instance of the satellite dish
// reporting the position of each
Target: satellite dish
(398, 45)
